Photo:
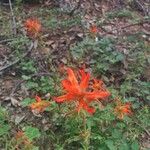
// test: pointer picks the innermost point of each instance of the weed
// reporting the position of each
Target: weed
(124, 13)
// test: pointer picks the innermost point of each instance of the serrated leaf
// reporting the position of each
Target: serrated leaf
(32, 132)
(31, 85)
(26, 77)
(35, 148)
(110, 145)
(124, 146)
(4, 128)
(74, 139)
(27, 101)
(135, 145)
(119, 57)
(3, 114)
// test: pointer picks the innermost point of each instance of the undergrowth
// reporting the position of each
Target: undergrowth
(54, 123)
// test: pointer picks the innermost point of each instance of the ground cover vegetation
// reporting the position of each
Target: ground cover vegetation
(74, 75)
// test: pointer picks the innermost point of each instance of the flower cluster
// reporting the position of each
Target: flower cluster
(122, 109)
(93, 29)
(77, 88)
(40, 105)
(79, 91)
(33, 27)
(82, 91)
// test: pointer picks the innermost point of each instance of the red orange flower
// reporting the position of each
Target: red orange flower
(33, 27)
(122, 109)
(78, 92)
(39, 105)
(98, 85)
(93, 29)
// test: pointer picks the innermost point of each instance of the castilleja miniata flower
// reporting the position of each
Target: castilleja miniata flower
(78, 91)
(98, 85)
(122, 109)
(39, 105)
(93, 29)
(33, 27)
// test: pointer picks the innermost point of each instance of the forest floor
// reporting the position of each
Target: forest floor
(119, 54)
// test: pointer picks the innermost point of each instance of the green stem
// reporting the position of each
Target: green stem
(86, 138)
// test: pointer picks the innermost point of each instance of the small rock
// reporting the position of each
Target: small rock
(80, 35)
(48, 95)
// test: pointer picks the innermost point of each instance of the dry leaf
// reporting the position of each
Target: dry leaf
(14, 102)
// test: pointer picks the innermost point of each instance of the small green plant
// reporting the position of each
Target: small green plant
(31, 132)
(42, 85)
(124, 13)
(24, 139)
(28, 67)
(103, 55)
(54, 23)
(4, 125)
(19, 43)
(82, 113)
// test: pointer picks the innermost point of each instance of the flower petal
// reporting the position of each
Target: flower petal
(71, 77)
(83, 73)
(84, 80)
(84, 105)
(94, 95)
(69, 87)
(63, 98)
(37, 98)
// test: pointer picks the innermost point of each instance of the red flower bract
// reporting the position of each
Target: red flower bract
(33, 27)
(98, 85)
(122, 109)
(93, 29)
(40, 105)
(79, 91)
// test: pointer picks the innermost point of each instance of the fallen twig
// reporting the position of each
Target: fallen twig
(134, 24)
(126, 26)
(18, 60)
(140, 6)
(6, 40)
(13, 19)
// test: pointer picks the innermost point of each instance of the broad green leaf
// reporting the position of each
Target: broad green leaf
(27, 101)
(26, 77)
(4, 128)
(124, 146)
(135, 145)
(110, 145)
(32, 132)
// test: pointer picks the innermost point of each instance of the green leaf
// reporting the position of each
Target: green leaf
(124, 145)
(26, 77)
(3, 114)
(73, 139)
(32, 85)
(135, 145)
(110, 145)
(4, 128)
(27, 101)
(116, 134)
(119, 57)
(35, 148)
(32, 132)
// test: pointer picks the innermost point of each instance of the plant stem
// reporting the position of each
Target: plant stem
(86, 133)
